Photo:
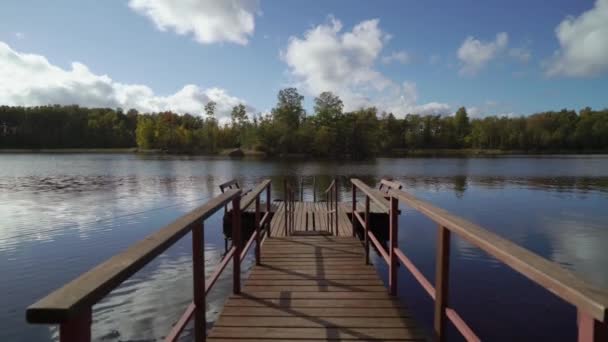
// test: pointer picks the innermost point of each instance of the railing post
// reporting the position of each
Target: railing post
(77, 329)
(354, 207)
(285, 203)
(236, 241)
(328, 206)
(314, 187)
(336, 204)
(198, 277)
(268, 208)
(591, 330)
(366, 229)
(394, 237)
(257, 230)
(442, 272)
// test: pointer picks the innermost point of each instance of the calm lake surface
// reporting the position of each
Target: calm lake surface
(61, 214)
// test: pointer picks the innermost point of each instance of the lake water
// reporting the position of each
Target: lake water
(61, 214)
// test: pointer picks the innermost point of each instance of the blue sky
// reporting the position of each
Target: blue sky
(495, 57)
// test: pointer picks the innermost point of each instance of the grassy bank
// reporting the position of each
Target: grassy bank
(75, 150)
(472, 152)
(224, 152)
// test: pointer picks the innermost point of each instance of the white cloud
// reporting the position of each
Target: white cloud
(29, 80)
(583, 44)
(209, 21)
(475, 54)
(521, 54)
(19, 35)
(399, 56)
(327, 59)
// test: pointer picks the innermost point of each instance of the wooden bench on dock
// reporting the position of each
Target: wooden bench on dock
(315, 288)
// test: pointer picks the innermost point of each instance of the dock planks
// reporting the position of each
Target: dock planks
(309, 217)
(314, 288)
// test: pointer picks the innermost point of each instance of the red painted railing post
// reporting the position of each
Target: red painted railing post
(393, 239)
(354, 207)
(77, 329)
(257, 230)
(198, 277)
(285, 203)
(591, 330)
(236, 241)
(366, 228)
(328, 206)
(268, 209)
(336, 205)
(442, 273)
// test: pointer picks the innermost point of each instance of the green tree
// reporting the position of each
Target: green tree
(328, 108)
(461, 125)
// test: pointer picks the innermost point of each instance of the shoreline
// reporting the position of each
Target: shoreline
(253, 153)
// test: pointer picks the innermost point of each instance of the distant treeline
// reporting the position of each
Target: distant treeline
(329, 131)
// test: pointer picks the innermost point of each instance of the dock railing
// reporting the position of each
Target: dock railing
(591, 302)
(331, 200)
(289, 203)
(70, 306)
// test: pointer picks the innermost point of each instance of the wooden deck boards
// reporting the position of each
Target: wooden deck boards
(314, 288)
(312, 216)
(309, 217)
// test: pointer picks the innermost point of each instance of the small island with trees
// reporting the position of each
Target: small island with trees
(287, 130)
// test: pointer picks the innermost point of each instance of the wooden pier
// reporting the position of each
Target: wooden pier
(314, 288)
(313, 280)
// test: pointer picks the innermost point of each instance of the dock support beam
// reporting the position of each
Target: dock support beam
(78, 328)
(591, 330)
(257, 230)
(366, 229)
(336, 208)
(198, 278)
(394, 238)
(354, 208)
(442, 275)
(236, 241)
(268, 209)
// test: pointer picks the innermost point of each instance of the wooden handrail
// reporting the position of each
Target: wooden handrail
(373, 194)
(331, 185)
(591, 302)
(248, 199)
(229, 184)
(549, 275)
(86, 290)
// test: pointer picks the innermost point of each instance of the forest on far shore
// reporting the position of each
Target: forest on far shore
(288, 129)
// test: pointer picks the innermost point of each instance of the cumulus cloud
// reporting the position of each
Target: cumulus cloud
(209, 21)
(475, 54)
(583, 44)
(30, 80)
(521, 54)
(327, 59)
(399, 56)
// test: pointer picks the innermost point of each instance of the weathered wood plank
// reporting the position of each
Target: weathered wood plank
(316, 303)
(299, 320)
(361, 296)
(314, 288)
(367, 334)
(306, 311)
(308, 282)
